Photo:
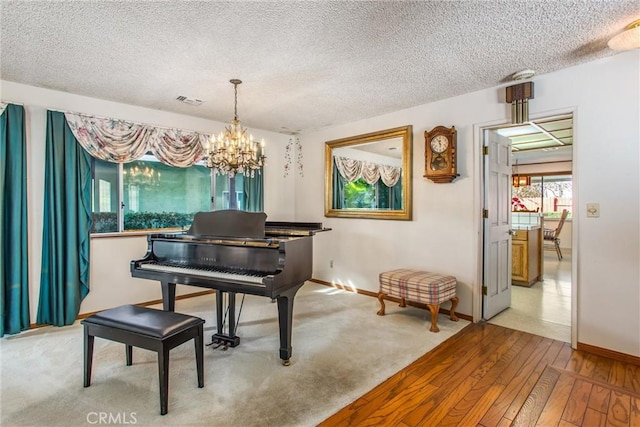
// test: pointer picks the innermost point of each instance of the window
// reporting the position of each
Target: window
(225, 186)
(134, 198)
(105, 197)
(152, 195)
(549, 194)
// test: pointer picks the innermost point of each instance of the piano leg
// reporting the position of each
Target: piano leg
(285, 319)
(168, 296)
(228, 339)
(219, 310)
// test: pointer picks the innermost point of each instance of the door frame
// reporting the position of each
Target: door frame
(478, 203)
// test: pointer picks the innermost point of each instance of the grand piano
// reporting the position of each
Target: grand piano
(233, 252)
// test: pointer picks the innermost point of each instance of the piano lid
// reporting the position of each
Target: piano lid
(250, 225)
(283, 228)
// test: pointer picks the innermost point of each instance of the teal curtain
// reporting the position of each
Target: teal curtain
(338, 188)
(64, 280)
(254, 191)
(14, 261)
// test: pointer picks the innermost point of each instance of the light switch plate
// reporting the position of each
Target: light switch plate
(593, 210)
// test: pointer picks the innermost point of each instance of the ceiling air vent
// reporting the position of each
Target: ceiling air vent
(190, 101)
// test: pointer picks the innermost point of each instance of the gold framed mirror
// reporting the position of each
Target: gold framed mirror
(369, 175)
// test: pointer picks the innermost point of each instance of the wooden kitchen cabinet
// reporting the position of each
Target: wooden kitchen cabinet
(526, 257)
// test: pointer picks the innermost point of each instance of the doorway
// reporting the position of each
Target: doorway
(542, 152)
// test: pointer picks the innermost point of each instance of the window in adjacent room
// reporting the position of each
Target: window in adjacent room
(549, 194)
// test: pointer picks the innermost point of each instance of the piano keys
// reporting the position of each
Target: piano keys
(234, 252)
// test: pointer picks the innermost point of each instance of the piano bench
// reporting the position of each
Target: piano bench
(147, 328)
(420, 287)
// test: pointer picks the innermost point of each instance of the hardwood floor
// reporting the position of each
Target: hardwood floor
(488, 375)
(545, 308)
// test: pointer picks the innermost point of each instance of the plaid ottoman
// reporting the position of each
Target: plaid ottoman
(419, 287)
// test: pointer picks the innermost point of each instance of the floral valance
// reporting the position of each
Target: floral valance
(120, 141)
(352, 170)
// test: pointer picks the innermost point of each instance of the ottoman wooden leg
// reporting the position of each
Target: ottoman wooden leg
(434, 317)
(381, 299)
(403, 303)
(452, 312)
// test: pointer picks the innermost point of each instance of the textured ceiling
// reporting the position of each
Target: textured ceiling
(304, 64)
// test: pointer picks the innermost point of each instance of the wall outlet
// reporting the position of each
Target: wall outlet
(331, 264)
(593, 210)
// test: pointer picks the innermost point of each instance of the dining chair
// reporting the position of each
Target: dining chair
(553, 236)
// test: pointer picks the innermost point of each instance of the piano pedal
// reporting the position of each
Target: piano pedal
(216, 345)
(226, 340)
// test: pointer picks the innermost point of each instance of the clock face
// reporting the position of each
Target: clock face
(439, 144)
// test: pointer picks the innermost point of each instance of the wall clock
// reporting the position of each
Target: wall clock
(440, 154)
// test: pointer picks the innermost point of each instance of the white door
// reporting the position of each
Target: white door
(497, 224)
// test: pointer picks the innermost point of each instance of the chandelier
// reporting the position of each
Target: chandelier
(234, 151)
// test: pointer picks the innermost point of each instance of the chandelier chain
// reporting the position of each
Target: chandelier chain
(235, 103)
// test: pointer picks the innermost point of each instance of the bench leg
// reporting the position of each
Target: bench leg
(88, 356)
(403, 303)
(129, 355)
(452, 312)
(381, 299)
(434, 316)
(198, 342)
(163, 371)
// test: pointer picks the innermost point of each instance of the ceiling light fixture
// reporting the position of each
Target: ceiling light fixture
(519, 180)
(233, 151)
(628, 39)
(523, 75)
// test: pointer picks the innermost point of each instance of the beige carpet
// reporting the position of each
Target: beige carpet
(341, 350)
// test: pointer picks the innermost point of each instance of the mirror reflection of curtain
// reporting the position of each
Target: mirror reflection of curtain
(338, 188)
(384, 196)
(389, 197)
(396, 195)
(64, 278)
(14, 258)
(351, 170)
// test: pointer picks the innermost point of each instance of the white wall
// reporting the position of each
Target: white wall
(445, 233)
(110, 281)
